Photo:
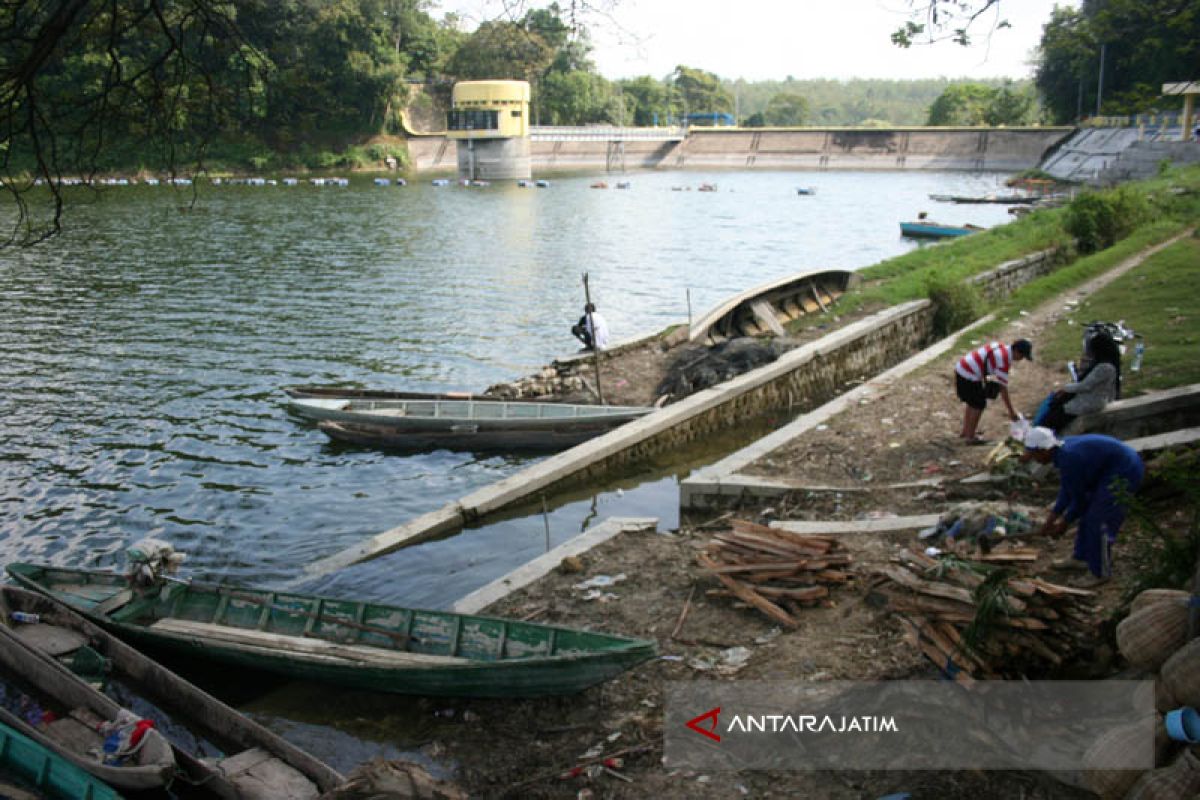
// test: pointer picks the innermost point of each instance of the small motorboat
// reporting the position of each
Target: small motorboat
(805, 190)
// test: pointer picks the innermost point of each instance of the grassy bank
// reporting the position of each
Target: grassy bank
(1157, 301)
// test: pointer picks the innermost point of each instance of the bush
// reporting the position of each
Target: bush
(955, 305)
(1098, 220)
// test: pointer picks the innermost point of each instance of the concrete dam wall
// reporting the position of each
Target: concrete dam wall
(970, 149)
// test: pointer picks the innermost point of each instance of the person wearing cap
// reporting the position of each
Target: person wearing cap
(1096, 473)
(592, 329)
(982, 374)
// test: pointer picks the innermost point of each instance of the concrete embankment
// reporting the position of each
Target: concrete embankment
(974, 149)
(801, 379)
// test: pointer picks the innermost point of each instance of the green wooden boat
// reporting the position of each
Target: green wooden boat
(42, 769)
(215, 747)
(350, 643)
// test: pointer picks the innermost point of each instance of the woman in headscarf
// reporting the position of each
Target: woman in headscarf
(1099, 383)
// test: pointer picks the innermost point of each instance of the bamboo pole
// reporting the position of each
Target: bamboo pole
(587, 299)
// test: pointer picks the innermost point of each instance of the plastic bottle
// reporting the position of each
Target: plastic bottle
(1137, 357)
(24, 616)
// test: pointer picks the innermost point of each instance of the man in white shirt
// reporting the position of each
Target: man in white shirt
(591, 329)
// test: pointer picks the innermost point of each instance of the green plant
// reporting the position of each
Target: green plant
(1098, 220)
(991, 603)
(1166, 555)
(955, 304)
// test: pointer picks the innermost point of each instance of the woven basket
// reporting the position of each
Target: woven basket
(1180, 781)
(1181, 675)
(1112, 784)
(1149, 637)
(1151, 596)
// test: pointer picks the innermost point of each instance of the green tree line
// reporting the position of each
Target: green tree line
(87, 85)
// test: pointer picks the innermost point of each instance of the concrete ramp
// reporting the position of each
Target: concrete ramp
(1089, 152)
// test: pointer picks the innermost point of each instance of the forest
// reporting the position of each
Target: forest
(258, 84)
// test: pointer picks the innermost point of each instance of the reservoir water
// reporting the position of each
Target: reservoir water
(141, 352)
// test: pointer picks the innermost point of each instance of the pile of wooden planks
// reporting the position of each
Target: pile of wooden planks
(972, 627)
(775, 571)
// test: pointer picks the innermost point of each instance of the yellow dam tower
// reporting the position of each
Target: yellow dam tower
(490, 121)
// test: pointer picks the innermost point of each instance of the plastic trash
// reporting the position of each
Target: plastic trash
(26, 617)
(1138, 351)
(1183, 725)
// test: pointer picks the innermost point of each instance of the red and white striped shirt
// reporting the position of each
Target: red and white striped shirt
(992, 359)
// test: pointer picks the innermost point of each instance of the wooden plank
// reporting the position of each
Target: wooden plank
(748, 595)
(765, 313)
(300, 647)
(858, 526)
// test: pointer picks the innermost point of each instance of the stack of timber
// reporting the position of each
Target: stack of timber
(775, 571)
(975, 622)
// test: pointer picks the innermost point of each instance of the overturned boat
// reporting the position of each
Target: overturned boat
(766, 309)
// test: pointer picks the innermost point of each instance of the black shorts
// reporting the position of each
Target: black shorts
(973, 393)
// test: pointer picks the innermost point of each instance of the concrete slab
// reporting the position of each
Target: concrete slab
(1148, 445)
(524, 575)
(1145, 415)
(427, 526)
(817, 527)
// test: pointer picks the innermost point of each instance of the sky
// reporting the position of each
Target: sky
(772, 39)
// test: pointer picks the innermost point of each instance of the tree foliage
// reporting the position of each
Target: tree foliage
(1145, 43)
(977, 104)
(933, 21)
(786, 108)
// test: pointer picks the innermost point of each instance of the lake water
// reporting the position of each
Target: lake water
(141, 353)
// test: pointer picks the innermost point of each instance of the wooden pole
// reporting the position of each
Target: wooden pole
(689, 302)
(587, 299)
(546, 520)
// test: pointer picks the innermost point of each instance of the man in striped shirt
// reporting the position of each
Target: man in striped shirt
(982, 374)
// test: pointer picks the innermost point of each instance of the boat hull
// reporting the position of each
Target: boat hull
(933, 230)
(463, 439)
(349, 643)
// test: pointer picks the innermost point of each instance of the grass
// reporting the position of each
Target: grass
(1157, 300)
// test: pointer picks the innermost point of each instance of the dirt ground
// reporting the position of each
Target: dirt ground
(909, 433)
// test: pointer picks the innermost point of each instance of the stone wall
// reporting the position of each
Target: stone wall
(1006, 278)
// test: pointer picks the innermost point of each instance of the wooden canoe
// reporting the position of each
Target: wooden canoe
(350, 643)
(45, 702)
(47, 772)
(197, 724)
(462, 424)
(766, 309)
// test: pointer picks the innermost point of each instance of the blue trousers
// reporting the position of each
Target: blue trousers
(1100, 523)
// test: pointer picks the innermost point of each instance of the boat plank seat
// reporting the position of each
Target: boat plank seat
(73, 735)
(50, 639)
(312, 649)
(258, 775)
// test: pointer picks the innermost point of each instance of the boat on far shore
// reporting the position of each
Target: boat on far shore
(928, 229)
(1006, 199)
